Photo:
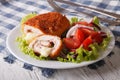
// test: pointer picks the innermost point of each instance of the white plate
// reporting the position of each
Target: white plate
(13, 48)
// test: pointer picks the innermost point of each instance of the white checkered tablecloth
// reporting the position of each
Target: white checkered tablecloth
(12, 11)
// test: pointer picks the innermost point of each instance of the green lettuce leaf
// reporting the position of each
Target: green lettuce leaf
(96, 20)
(74, 20)
(28, 16)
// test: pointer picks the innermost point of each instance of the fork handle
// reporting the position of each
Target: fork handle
(106, 13)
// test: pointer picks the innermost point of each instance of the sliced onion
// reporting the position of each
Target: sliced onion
(72, 30)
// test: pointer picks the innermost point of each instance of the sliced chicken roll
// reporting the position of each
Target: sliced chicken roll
(47, 45)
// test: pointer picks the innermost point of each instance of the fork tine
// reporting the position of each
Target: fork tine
(55, 6)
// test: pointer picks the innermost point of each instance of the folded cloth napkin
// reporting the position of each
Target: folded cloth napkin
(11, 13)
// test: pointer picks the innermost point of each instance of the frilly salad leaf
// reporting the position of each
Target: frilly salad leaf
(105, 42)
(96, 20)
(74, 20)
(31, 15)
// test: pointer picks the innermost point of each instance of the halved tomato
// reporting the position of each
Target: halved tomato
(71, 43)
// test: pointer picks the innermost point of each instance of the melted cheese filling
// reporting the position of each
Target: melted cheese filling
(30, 36)
(43, 48)
(44, 51)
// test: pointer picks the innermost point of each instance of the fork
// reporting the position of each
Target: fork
(114, 22)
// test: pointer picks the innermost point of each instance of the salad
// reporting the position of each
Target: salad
(81, 42)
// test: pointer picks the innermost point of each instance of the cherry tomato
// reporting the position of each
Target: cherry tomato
(96, 36)
(103, 34)
(79, 35)
(87, 42)
(90, 24)
(83, 23)
(87, 31)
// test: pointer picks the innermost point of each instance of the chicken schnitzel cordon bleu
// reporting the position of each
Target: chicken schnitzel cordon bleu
(43, 32)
